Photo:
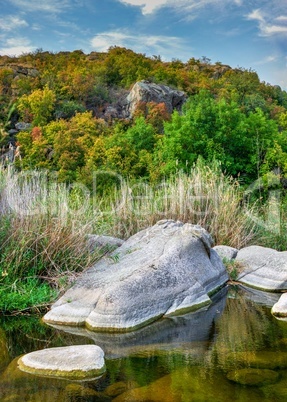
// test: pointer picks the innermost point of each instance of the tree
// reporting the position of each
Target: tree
(37, 107)
(216, 129)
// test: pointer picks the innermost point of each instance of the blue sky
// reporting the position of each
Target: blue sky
(242, 33)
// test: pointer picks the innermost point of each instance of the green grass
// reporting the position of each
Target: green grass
(28, 294)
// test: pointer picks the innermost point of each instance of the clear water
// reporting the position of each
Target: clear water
(232, 351)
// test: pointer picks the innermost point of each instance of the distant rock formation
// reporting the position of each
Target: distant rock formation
(146, 91)
(162, 270)
(21, 70)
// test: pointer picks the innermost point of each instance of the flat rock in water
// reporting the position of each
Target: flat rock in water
(280, 308)
(74, 362)
(265, 268)
(165, 269)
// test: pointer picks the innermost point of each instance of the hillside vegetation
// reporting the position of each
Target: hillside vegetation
(230, 116)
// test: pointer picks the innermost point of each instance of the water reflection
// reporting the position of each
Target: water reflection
(203, 356)
(244, 327)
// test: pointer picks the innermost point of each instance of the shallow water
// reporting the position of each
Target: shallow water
(235, 350)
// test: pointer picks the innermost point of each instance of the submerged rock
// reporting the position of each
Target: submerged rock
(166, 269)
(260, 360)
(170, 388)
(265, 268)
(74, 362)
(252, 376)
(79, 392)
(119, 388)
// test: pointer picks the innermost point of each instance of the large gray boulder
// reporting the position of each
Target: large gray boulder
(264, 268)
(146, 91)
(190, 331)
(166, 269)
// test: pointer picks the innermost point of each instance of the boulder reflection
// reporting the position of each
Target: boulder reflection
(244, 328)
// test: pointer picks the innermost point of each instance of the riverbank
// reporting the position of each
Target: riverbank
(45, 225)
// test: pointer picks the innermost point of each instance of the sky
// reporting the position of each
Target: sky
(251, 34)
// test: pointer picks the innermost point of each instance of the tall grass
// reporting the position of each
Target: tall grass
(43, 241)
(205, 197)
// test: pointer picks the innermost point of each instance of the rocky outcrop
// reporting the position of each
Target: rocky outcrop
(146, 91)
(163, 270)
(74, 362)
(22, 126)
(265, 268)
(21, 70)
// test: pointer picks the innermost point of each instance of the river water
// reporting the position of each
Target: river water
(235, 350)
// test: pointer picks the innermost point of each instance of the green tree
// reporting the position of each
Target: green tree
(37, 107)
(216, 129)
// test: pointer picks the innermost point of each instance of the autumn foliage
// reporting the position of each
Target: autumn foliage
(230, 116)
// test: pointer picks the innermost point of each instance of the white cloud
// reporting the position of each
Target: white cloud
(166, 46)
(12, 22)
(281, 18)
(36, 27)
(51, 6)
(266, 60)
(268, 30)
(16, 46)
(17, 42)
(268, 25)
(256, 15)
(149, 6)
